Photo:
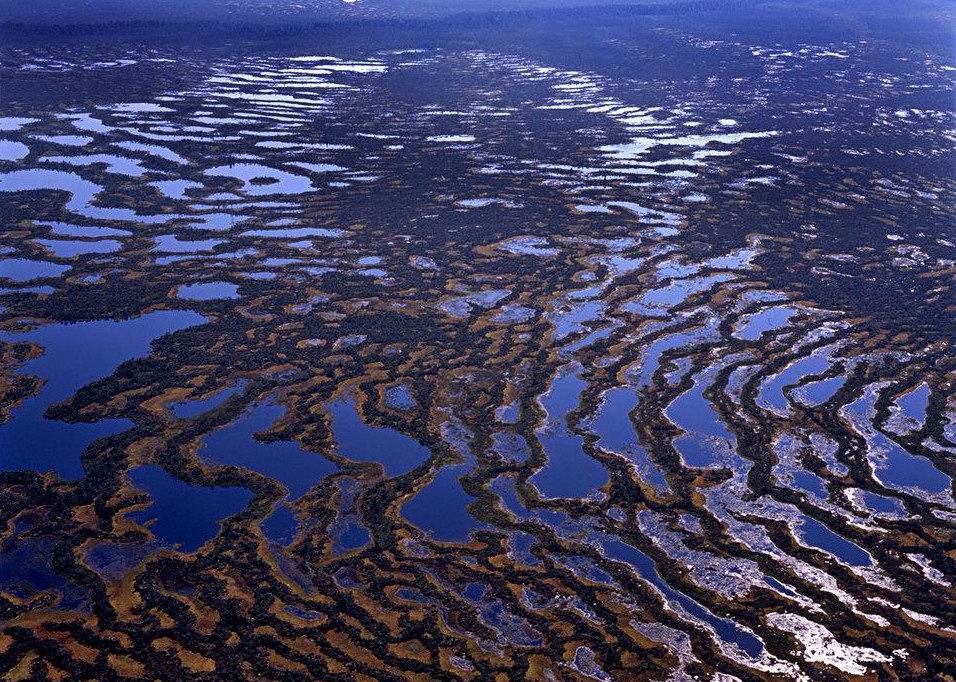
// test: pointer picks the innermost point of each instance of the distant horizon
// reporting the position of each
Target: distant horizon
(87, 12)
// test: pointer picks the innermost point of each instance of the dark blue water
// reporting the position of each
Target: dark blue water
(780, 587)
(27, 571)
(816, 534)
(75, 355)
(285, 461)
(440, 509)
(613, 425)
(358, 441)
(280, 526)
(185, 515)
(772, 391)
(504, 487)
(644, 566)
(354, 536)
(904, 470)
(347, 531)
(640, 562)
(809, 481)
(569, 471)
(696, 415)
(878, 503)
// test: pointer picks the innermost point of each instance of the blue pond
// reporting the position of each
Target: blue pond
(23, 270)
(915, 402)
(652, 356)
(440, 508)
(75, 355)
(569, 471)
(68, 249)
(880, 504)
(280, 526)
(821, 391)
(810, 482)
(613, 425)
(644, 566)
(27, 571)
(207, 291)
(817, 535)
(358, 441)
(347, 531)
(765, 320)
(901, 469)
(695, 414)
(353, 536)
(399, 397)
(284, 461)
(772, 391)
(82, 194)
(184, 514)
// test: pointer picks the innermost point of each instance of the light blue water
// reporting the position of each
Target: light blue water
(772, 390)
(915, 402)
(693, 413)
(820, 391)
(11, 150)
(902, 469)
(764, 321)
(69, 249)
(71, 230)
(207, 291)
(82, 194)
(24, 270)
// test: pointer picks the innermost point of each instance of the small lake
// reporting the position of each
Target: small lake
(75, 355)
(358, 441)
(284, 461)
(569, 471)
(184, 515)
(208, 291)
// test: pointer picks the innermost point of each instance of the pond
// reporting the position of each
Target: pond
(73, 356)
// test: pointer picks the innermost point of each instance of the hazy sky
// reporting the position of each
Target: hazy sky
(95, 11)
